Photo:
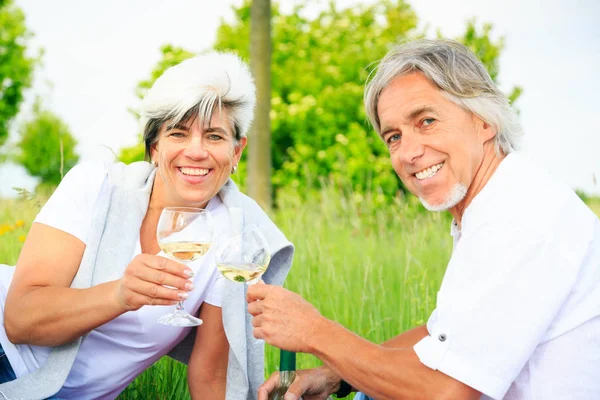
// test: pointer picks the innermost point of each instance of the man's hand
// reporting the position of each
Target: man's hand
(311, 384)
(282, 318)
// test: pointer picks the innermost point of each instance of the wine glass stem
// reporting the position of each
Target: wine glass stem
(179, 306)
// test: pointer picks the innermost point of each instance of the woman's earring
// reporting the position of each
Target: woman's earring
(154, 164)
(233, 169)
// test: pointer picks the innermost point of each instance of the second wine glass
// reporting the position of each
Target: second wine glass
(184, 234)
(244, 256)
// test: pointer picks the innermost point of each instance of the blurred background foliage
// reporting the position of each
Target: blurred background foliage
(16, 66)
(46, 147)
(319, 66)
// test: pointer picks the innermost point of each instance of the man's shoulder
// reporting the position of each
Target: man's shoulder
(528, 198)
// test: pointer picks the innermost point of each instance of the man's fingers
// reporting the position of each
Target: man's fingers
(255, 308)
(257, 321)
(297, 388)
(257, 292)
(267, 387)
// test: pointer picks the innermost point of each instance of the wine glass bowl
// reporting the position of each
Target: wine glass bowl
(184, 234)
(244, 256)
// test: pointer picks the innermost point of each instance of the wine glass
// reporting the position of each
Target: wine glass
(185, 235)
(244, 256)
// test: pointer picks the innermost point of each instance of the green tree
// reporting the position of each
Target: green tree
(16, 67)
(318, 70)
(171, 55)
(259, 148)
(46, 147)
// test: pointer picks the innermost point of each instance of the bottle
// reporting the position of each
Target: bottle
(287, 374)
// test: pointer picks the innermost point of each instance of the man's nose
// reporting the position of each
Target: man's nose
(411, 148)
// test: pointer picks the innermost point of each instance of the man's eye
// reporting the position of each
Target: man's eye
(428, 121)
(393, 138)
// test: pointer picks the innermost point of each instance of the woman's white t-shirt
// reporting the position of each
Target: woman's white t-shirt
(112, 355)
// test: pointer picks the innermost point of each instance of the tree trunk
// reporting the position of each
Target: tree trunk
(259, 141)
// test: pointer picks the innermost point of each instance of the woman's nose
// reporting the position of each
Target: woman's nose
(196, 148)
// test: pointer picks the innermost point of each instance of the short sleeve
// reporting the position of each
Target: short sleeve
(70, 207)
(499, 297)
(215, 293)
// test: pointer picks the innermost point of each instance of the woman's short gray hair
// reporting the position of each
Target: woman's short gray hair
(459, 74)
(197, 87)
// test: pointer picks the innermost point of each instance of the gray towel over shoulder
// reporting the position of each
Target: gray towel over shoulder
(118, 217)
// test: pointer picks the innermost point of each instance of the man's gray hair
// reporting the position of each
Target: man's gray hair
(197, 87)
(461, 77)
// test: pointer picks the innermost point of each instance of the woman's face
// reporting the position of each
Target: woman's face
(194, 161)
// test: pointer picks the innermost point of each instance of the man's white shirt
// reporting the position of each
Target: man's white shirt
(518, 312)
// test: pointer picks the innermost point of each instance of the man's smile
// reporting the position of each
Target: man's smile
(429, 172)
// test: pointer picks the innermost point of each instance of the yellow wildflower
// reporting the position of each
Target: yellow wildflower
(22, 238)
(19, 223)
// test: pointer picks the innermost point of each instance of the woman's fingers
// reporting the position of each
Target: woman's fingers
(163, 277)
(165, 265)
(156, 291)
(154, 280)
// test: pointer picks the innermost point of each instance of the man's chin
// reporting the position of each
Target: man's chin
(455, 196)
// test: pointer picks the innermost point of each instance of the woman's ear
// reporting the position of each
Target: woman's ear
(238, 150)
(154, 153)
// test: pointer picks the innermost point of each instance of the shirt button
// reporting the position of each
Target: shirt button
(442, 338)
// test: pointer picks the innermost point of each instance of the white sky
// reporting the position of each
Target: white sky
(96, 52)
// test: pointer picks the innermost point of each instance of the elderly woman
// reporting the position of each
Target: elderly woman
(82, 303)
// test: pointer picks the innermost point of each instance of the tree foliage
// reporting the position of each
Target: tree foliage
(46, 147)
(319, 68)
(16, 67)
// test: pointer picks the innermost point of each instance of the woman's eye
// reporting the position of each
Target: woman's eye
(177, 134)
(214, 136)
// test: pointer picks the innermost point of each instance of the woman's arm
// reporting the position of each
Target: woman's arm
(42, 309)
(207, 369)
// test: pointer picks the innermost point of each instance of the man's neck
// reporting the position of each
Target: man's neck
(491, 161)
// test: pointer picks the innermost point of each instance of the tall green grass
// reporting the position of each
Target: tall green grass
(373, 266)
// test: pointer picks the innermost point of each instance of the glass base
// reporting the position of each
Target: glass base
(179, 318)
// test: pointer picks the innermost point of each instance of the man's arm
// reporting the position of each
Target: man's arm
(407, 339)
(287, 321)
(389, 371)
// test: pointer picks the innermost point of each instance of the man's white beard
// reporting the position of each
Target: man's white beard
(457, 193)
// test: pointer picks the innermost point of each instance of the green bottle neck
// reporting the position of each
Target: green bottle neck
(287, 360)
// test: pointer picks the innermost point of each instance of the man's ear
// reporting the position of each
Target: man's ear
(485, 130)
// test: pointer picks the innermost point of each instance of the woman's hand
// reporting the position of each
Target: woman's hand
(145, 279)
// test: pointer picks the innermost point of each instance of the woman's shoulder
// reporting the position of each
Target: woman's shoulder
(71, 205)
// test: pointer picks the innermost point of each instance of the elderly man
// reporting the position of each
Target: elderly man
(518, 312)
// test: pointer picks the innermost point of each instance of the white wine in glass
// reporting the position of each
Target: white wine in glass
(185, 251)
(184, 234)
(243, 257)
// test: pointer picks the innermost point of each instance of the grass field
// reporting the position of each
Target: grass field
(375, 269)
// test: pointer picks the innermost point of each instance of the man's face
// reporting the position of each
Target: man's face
(435, 146)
